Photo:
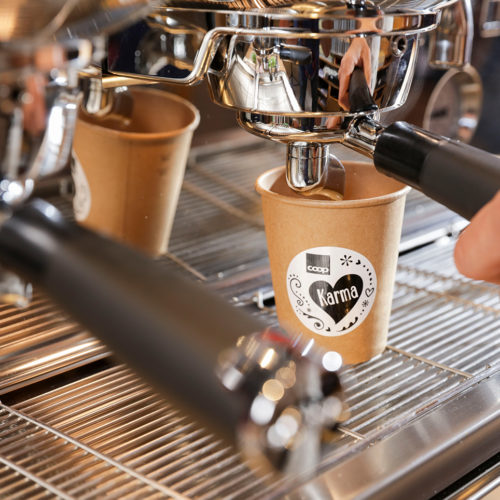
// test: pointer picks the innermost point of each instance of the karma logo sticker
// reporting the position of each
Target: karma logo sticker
(331, 289)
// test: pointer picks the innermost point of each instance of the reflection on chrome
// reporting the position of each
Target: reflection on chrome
(295, 399)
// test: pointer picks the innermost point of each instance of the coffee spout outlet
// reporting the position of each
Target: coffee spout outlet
(310, 168)
(306, 165)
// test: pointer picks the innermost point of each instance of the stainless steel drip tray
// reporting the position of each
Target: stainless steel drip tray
(421, 414)
(109, 436)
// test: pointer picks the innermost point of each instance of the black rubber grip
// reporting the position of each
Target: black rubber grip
(360, 99)
(170, 329)
(459, 176)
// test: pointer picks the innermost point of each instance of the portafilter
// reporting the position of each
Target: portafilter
(286, 69)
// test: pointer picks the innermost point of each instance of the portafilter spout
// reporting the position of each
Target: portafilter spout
(307, 165)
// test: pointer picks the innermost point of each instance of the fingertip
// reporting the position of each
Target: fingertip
(477, 251)
(459, 256)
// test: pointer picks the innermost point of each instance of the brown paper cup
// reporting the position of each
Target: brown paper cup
(333, 263)
(128, 177)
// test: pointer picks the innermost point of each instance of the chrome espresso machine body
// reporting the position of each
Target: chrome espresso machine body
(420, 417)
(317, 73)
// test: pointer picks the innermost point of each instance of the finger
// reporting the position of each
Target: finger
(477, 252)
(366, 62)
(367, 70)
(346, 68)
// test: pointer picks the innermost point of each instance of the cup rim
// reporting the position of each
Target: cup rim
(191, 126)
(341, 204)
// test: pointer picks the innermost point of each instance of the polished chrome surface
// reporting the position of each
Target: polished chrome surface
(43, 46)
(14, 290)
(287, 7)
(307, 166)
(295, 400)
(291, 72)
(455, 104)
(37, 125)
(406, 462)
(313, 86)
(486, 485)
(489, 19)
(38, 341)
(286, 67)
(362, 135)
(451, 41)
(56, 145)
(288, 129)
(435, 384)
(28, 24)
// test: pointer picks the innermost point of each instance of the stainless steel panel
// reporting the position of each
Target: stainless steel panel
(40, 341)
(421, 459)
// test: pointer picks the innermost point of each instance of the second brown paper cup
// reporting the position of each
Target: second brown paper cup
(333, 263)
(128, 175)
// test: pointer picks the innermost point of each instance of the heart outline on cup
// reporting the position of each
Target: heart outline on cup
(337, 301)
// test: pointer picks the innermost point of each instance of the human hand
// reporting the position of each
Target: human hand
(358, 54)
(477, 252)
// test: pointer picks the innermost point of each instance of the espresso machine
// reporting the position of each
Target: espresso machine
(285, 69)
(311, 75)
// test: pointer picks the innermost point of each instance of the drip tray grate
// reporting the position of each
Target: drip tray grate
(109, 436)
(129, 428)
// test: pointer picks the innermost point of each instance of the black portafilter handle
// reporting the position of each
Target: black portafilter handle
(360, 98)
(457, 175)
(170, 329)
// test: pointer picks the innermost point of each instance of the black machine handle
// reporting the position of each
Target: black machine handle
(360, 98)
(170, 329)
(459, 176)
